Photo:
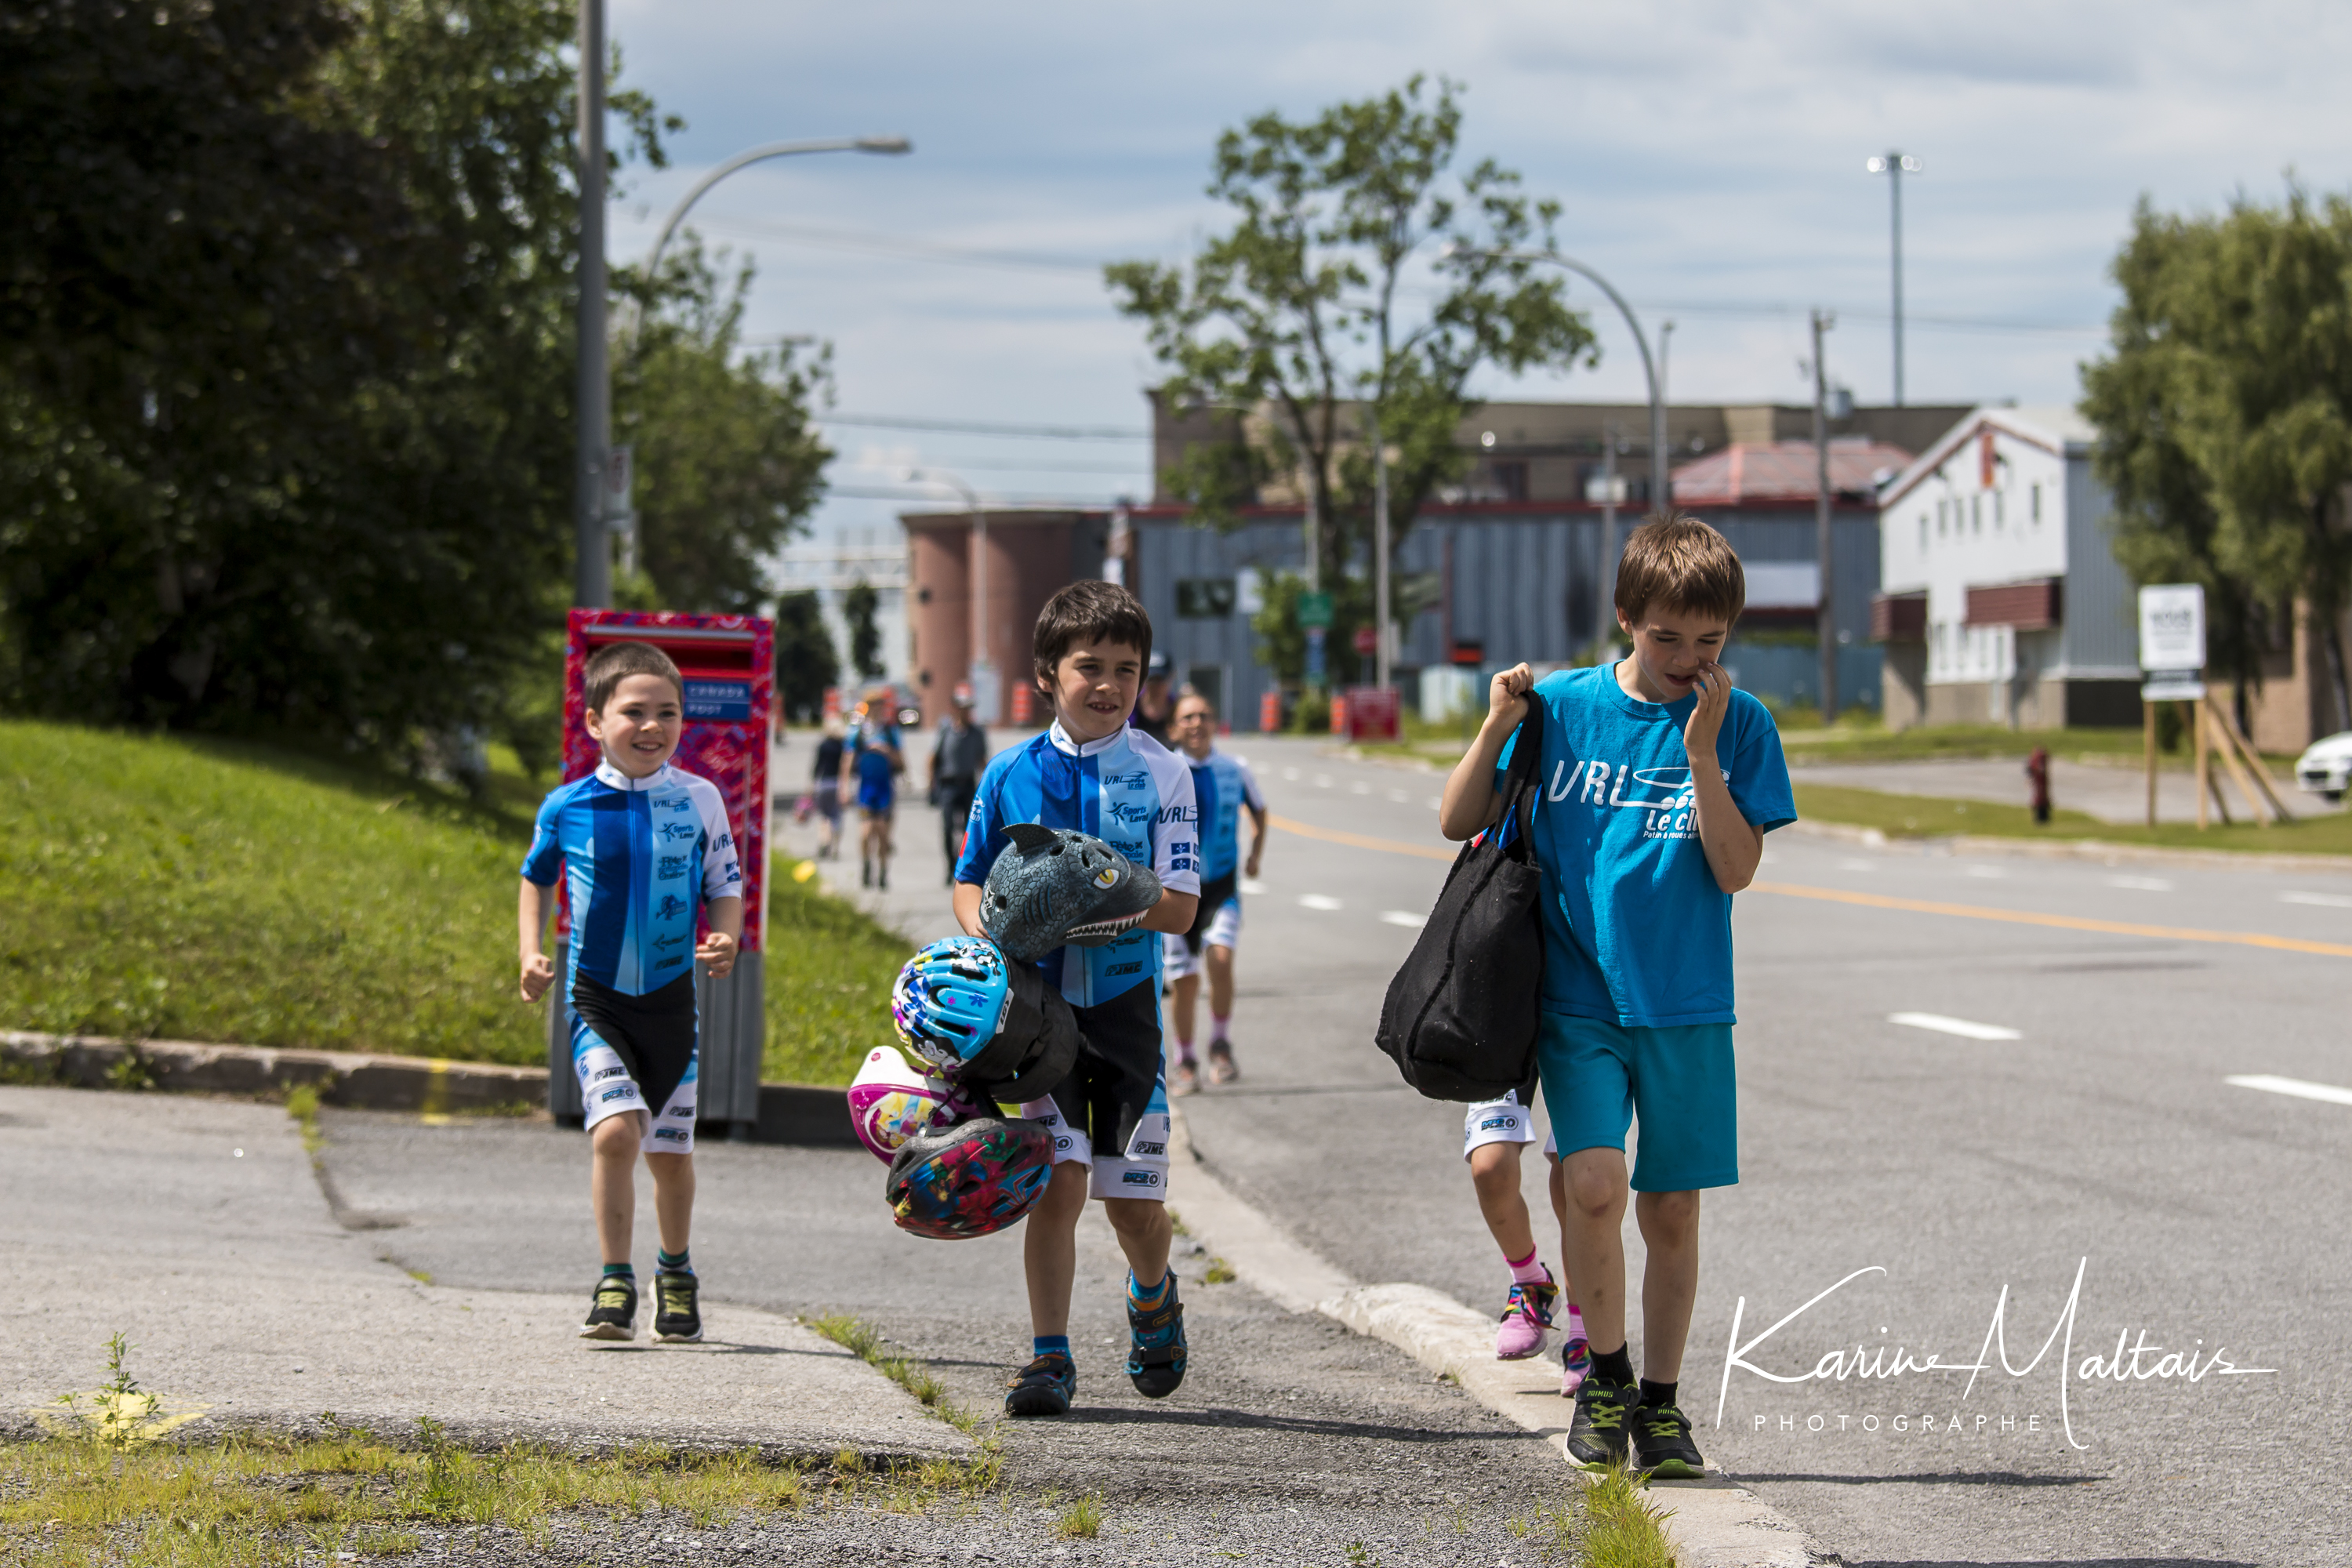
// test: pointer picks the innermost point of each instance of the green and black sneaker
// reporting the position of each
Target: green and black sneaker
(613, 1311)
(1663, 1446)
(677, 1319)
(1596, 1434)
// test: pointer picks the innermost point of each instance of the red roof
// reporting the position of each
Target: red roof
(1783, 470)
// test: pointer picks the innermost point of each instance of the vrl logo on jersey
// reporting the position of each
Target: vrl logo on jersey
(1126, 781)
(1664, 796)
(1179, 814)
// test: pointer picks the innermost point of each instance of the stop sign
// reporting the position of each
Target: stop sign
(1367, 639)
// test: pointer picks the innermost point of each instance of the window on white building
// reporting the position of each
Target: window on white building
(1923, 534)
(1975, 513)
(2037, 504)
(1999, 511)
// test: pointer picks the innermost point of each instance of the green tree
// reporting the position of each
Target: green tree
(2224, 408)
(858, 607)
(1297, 310)
(805, 664)
(728, 462)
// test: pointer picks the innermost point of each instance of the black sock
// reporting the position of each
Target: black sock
(672, 1262)
(1614, 1366)
(1657, 1395)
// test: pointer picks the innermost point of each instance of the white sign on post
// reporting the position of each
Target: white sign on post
(2172, 627)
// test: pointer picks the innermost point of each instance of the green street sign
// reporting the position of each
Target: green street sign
(1314, 610)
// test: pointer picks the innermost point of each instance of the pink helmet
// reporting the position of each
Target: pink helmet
(890, 1103)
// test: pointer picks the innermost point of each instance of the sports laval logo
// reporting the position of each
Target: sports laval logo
(1662, 795)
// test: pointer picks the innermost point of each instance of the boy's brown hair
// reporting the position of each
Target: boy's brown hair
(615, 662)
(1089, 611)
(1677, 561)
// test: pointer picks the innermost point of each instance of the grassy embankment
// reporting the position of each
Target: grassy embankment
(178, 889)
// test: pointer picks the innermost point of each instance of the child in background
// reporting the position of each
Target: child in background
(1494, 1136)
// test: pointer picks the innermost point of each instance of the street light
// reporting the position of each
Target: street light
(1895, 165)
(892, 146)
(985, 694)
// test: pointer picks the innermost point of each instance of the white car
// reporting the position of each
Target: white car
(2326, 767)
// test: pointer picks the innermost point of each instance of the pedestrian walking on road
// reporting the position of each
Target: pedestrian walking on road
(870, 768)
(957, 757)
(1222, 788)
(1494, 1136)
(824, 788)
(1110, 1118)
(635, 825)
(1660, 783)
(2037, 774)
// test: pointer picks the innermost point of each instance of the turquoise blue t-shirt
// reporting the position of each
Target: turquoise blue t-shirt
(1635, 930)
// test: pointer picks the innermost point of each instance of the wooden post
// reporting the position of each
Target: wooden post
(2228, 724)
(2204, 766)
(2148, 711)
(2237, 772)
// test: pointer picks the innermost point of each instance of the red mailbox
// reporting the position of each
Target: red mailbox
(729, 663)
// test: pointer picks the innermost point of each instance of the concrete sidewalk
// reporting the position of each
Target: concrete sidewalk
(2110, 794)
(196, 1228)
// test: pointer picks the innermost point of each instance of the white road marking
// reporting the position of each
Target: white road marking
(2147, 884)
(1991, 872)
(1963, 1028)
(1403, 918)
(1318, 901)
(1252, 886)
(1360, 787)
(1291, 773)
(1857, 865)
(1436, 802)
(2294, 1086)
(1399, 796)
(2318, 900)
(1322, 780)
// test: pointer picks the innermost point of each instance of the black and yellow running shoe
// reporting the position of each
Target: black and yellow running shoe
(1596, 1432)
(677, 1319)
(1663, 1445)
(613, 1311)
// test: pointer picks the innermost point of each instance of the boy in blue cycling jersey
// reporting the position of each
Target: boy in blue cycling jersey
(1090, 770)
(1222, 788)
(645, 847)
(1660, 781)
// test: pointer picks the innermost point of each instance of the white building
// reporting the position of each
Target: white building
(1999, 598)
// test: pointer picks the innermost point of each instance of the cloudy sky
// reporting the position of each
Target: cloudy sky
(1708, 154)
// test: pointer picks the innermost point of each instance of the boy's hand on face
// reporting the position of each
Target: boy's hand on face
(538, 974)
(718, 949)
(1705, 723)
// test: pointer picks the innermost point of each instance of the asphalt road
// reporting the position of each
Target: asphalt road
(2201, 1215)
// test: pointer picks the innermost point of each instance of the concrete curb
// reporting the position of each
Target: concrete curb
(2098, 849)
(1715, 1524)
(809, 1115)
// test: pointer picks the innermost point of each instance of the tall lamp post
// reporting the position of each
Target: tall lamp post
(1895, 165)
(985, 689)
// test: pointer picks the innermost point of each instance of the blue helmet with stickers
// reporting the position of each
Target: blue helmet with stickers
(949, 1001)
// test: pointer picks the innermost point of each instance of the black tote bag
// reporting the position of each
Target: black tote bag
(1460, 1017)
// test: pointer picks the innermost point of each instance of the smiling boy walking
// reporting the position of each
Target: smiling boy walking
(645, 846)
(1660, 781)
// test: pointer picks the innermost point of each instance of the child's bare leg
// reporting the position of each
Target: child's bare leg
(1669, 1223)
(1185, 1011)
(1495, 1175)
(1220, 980)
(1558, 1184)
(613, 1181)
(1594, 1183)
(673, 1199)
(1144, 1234)
(1049, 1249)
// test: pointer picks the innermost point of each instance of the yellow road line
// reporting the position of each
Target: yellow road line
(2061, 922)
(1881, 902)
(1358, 841)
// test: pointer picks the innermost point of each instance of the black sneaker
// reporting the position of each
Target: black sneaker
(1044, 1387)
(613, 1311)
(677, 1320)
(1155, 1361)
(1662, 1444)
(1596, 1434)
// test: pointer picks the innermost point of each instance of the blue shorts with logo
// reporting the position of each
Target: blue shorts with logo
(1600, 1078)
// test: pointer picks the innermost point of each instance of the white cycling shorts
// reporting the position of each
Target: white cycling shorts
(607, 1089)
(1503, 1120)
(1225, 931)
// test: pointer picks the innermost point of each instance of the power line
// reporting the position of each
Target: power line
(984, 427)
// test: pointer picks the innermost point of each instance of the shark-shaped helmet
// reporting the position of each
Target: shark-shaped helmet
(1058, 887)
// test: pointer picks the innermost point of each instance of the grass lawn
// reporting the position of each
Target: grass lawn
(1923, 816)
(200, 889)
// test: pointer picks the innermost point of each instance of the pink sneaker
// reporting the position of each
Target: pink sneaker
(1526, 1317)
(1575, 1365)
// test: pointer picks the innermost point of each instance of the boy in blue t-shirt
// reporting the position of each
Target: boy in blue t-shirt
(1091, 772)
(1659, 782)
(644, 848)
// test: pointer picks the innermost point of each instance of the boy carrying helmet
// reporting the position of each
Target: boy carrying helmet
(1092, 773)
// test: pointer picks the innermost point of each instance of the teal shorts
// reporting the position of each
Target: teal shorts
(1598, 1077)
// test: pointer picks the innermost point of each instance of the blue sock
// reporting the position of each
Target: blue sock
(1153, 1297)
(1049, 1344)
(672, 1262)
(623, 1270)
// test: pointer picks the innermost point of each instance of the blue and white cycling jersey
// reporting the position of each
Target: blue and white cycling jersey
(1221, 786)
(643, 855)
(1126, 789)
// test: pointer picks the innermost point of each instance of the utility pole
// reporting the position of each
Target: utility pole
(1825, 547)
(592, 571)
(1380, 553)
(1605, 578)
(1895, 165)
